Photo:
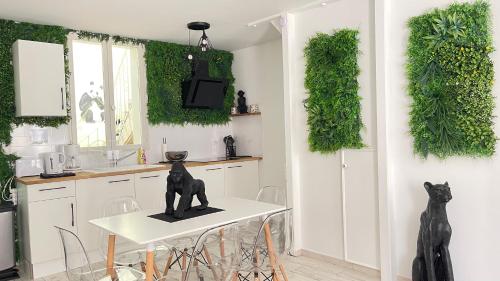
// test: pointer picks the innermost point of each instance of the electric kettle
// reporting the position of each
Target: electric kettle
(53, 162)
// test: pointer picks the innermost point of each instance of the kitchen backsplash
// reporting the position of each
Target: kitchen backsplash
(200, 142)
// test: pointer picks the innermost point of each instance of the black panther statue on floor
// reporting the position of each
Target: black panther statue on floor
(433, 262)
(181, 182)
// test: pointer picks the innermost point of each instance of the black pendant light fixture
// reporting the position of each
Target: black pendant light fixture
(204, 43)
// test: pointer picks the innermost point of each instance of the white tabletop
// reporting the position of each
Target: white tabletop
(141, 229)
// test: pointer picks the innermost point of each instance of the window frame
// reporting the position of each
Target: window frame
(109, 107)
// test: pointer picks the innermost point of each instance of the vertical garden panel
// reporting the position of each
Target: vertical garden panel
(451, 76)
(333, 105)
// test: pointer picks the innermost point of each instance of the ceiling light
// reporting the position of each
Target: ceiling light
(254, 25)
(204, 43)
(323, 4)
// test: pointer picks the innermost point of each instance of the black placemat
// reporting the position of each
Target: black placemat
(192, 213)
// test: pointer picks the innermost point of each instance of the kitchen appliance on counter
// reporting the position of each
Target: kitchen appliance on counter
(72, 155)
(7, 242)
(53, 162)
(230, 147)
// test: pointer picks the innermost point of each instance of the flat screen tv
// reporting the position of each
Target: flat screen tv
(202, 91)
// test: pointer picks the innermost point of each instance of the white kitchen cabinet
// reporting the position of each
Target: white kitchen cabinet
(40, 208)
(45, 243)
(213, 177)
(242, 179)
(39, 76)
(92, 195)
(150, 189)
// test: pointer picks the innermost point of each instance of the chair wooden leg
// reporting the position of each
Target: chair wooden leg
(195, 264)
(169, 261)
(283, 272)
(184, 260)
(110, 259)
(270, 249)
(209, 261)
(256, 264)
(157, 272)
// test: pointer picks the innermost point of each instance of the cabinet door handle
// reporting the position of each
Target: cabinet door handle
(213, 169)
(119, 181)
(72, 215)
(232, 167)
(149, 177)
(55, 188)
(62, 98)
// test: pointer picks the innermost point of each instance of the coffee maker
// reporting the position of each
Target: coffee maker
(72, 155)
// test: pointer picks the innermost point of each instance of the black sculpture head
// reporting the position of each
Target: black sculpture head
(178, 172)
(241, 93)
(439, 193)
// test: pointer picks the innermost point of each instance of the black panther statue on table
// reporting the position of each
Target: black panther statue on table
(433, 262)
(181, 182)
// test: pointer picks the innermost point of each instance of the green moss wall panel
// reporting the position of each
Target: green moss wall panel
(450, 75)
(333, 105)
(167, 67)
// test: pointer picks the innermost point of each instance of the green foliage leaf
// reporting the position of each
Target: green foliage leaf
(333, 105)
(451, 76)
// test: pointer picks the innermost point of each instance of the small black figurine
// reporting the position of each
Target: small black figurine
(181, 182)
(433, 262)
(242, 102)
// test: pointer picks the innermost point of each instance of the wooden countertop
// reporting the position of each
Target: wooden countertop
(162, 167)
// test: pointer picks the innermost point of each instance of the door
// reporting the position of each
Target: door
(242, 179)
(39, 79)
(45, 243)
(361, 207)
(92, 195)
(150, 189)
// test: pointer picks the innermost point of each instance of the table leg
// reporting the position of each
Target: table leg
(110, 259)
(150, 262)
(270, 250)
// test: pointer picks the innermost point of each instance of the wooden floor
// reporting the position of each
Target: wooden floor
(299, 269)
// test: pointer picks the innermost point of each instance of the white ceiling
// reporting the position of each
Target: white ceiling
(158, 19)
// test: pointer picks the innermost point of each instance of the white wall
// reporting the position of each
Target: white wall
(259, 72)
(201, 142)
(473, 213)
(320, 176)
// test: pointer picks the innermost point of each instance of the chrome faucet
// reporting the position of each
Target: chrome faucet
(119, 159)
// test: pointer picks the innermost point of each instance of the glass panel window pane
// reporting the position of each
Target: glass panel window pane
(126, 95)
(89, 93)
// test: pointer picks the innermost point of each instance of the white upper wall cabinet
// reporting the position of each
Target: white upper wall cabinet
(39, 79)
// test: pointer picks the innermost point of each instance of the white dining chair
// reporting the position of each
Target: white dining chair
(215, 256)
(271, 242)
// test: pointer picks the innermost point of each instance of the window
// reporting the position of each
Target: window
(107, 104)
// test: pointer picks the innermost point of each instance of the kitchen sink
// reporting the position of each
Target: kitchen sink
(122, 168)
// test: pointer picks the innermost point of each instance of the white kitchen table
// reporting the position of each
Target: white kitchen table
(143, 230)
